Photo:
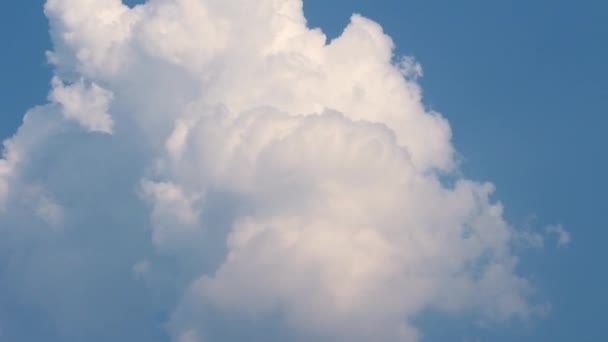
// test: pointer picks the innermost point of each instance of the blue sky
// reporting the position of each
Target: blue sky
(524, 86)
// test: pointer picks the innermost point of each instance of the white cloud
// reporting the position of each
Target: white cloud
(261, 173)
(5, 171)
(410, 68)
(87, 104)
(563, 237)
(175, 219)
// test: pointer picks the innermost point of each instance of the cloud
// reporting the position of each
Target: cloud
(86, 104)
(272, 183)
(563, 237)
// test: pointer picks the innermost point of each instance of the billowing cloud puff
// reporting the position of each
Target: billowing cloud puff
(87, 105)
(213, 168)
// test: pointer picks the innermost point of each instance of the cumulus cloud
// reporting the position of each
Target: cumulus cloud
(263, 174)
(86, 104)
